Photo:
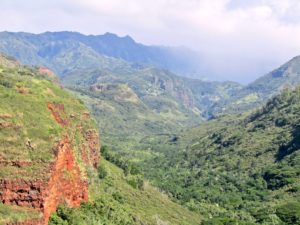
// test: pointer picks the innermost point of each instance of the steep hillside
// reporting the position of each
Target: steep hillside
(54, 49)
(48, 144)
(115, 200)
(241, 169)
(143, 94)
(258, 92)
(49, 160)
(133, 105)
(159, 90)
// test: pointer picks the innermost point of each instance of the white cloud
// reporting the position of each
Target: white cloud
(238, 39)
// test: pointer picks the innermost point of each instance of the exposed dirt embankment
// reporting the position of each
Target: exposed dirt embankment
(65, 182)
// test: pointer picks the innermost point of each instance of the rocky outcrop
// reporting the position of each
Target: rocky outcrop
(25, 193)
(66, 184)
(58, 112)
(92, 139)
(48, 72)
(176, 89)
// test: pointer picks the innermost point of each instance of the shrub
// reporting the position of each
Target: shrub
(277, 178)
(289, 213)
(136, 181)
(6, 83)
(102, 173)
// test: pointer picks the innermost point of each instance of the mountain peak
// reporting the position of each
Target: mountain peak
(113, 36)
(108, 34)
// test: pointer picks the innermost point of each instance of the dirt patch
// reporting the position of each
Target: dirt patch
(58, 112)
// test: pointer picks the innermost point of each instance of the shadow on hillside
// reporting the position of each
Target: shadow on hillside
(290, 147)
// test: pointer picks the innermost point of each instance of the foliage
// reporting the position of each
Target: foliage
(28, 130)
(14, 214)
(114, 201)
(236, 164)
(102, 173)
(289, 213)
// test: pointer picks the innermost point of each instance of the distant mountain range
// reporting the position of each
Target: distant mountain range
(52, 48)
(258, 92)
(87, 60)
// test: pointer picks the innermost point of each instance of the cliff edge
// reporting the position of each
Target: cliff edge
(48, 144)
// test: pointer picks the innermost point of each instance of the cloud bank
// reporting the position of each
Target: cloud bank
(236, 39)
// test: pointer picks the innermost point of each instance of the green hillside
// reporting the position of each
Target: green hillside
(87, 60)
(28, 129)
(115, 201)
(237, 168)
(36, 116)
(50, 47)
(27, 147)
(84, 58)
(258, 92)
(133, 105)
(204, 144)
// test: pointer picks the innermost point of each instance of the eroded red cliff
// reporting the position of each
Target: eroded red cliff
(65, 181)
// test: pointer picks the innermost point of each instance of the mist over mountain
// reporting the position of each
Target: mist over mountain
(47, 47)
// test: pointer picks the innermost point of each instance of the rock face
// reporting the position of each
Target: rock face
(176, 89)
(65, 183)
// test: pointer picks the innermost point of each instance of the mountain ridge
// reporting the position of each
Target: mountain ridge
(110, 45)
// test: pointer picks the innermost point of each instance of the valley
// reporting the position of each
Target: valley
(175, 150)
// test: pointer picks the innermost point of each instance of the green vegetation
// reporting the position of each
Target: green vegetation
(28, 130)
(14, 214)
(244, 168)
(114, 201)
(65, 51)
(241, 167)
(261, 90)
(233, 169)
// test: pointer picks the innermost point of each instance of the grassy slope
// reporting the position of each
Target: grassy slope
(28, 131)
(25, 118)
(149, 205)
(16, 214)
(114, 201)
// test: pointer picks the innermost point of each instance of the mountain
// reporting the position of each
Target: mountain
(258, 92)
(237, 169)
(57, 49)
(49, 161)
(75, 56)
(134, 104)
(72, 54)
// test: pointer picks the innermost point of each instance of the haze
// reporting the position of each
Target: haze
(237, 40)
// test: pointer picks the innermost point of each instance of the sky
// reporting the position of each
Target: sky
(237, 40)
